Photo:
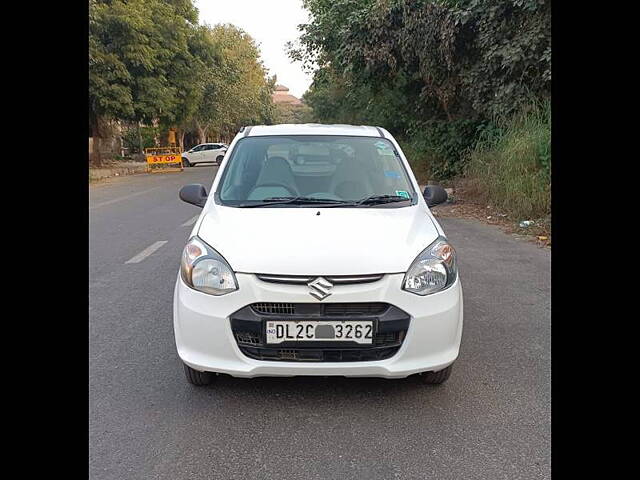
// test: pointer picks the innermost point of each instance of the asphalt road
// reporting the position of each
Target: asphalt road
(490, 420)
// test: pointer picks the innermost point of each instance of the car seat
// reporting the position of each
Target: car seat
(351, 180)
(275, 180)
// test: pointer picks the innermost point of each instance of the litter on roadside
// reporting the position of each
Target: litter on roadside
(526, 223)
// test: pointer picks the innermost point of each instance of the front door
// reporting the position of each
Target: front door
(196, 155)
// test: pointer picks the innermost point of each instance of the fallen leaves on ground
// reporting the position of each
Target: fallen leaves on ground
(459, 207)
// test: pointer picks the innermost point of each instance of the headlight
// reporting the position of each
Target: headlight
(204, 269)
(433, 270)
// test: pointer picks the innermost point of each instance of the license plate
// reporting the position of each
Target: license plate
(279, 331)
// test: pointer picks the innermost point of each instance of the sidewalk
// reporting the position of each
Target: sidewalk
(118, 169)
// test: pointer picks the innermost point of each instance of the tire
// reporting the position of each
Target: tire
(436, 378)
(194, 377)
(434, 195)
(185, 162)
(219, 159)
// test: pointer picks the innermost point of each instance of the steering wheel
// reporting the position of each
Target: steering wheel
(289, 188)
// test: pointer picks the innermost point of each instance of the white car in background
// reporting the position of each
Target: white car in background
(204, 153)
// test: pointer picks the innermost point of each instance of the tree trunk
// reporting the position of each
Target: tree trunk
(202, 133)
(141, 145)
(181, 137)
(96, 157)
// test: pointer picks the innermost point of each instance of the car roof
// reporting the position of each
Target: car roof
(314, 129)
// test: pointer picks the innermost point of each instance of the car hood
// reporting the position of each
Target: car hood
(318, 241)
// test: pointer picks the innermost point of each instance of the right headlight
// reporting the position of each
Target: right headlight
(204, 269)
(433, 270)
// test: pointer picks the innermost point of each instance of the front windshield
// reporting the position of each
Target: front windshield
(311, 169)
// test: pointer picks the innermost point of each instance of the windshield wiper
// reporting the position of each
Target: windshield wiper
(371, 200)
(378, 199)
(293, 200)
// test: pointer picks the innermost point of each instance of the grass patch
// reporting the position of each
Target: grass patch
(511, 167)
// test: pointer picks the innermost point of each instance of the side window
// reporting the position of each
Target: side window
(208, 147)
(198, 148)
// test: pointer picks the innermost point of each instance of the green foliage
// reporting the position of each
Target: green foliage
(286, 113)
(447, 144)
(448, 60)
(511, 168)
(131, 137)
(150, 63)
(236, 92)
(138, 54)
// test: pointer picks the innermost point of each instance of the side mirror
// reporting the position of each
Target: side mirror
(194, 194)
(434, 195)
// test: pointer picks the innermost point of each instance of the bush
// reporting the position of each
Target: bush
(132, 140)
(510, 166)
(437, 149)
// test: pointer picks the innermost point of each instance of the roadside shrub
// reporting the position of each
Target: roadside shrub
(437, 149)
(510, 167)
(131, 137)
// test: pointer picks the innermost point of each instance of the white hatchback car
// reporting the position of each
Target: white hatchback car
(316, 254)
(204, 153)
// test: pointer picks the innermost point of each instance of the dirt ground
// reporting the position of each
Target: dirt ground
(459, 205)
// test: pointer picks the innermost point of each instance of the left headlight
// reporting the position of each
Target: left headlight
(204, 269)
(433, 270)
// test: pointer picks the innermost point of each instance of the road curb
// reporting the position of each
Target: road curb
(100, 174)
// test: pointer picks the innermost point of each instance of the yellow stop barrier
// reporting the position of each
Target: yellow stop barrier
(163, 159)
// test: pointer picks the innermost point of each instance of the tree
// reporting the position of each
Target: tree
(152, 65)
(140, 62)
(425, 60)
(237, 92)
(287, 113)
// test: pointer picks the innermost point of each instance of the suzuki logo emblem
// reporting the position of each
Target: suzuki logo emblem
(320, 288)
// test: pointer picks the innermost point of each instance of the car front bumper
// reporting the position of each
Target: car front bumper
(205, 341)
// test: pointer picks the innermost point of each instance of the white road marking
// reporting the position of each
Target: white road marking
(190, 222)
(115, 200)
(146, 252)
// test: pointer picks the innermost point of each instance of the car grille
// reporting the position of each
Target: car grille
(390, 327)
(274, 308)
(334, 279)
(325, 309)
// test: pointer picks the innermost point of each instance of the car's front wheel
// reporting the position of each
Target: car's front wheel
(198, 378)
(219, 159)
(185, 162)
(435, 378)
